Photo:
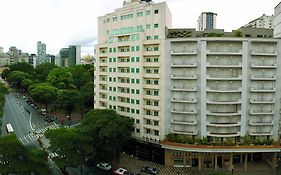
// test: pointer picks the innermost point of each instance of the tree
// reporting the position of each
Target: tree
(67, 99)
(42, 71)
(108, 132)
(5, 73)
(85, 98)
(61, 78)
(70, 145)
(80, 76)
(38, 161)
(15, 77)
(26, 83)
(43, 93)
(23, 67)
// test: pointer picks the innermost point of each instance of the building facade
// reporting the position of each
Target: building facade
(277, 21)
(207, 20)
(263, 21)
(41, 53)
(130, 65)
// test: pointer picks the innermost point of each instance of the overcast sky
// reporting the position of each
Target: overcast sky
(59, 23)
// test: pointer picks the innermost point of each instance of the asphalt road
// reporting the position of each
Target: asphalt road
(19, 115)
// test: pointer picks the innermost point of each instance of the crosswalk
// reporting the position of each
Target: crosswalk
(33, 136)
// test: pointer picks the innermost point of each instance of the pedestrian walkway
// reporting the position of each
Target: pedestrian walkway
(135, 165)
(34, 136)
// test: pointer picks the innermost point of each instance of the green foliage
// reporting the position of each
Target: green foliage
(18, 159)
(61, 78)
(23, 67)
(42, 71)
(238, 33)
(5, 73)
(80, 76)
(67, 99)
(215, 34)
(26, 83)
(43, 93)
(15, 77)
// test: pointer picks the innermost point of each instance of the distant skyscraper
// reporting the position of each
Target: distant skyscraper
(74, 55)
(207, 20)
(1, 50)
(41, 53)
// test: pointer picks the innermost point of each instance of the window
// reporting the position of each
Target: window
(114, 69)
(138, 130)
(156, 123)
(110, 69)
(114, 59)
(147, 26)
(156, 132)
(155, 93)
(138, 81)
(110, 79)
(133, 111)
(137, 91)
(156, 37)
(132, 91)
(133, 59)
(110, 88)
(114, 79)
(156, 11)
(148, 82)
(133, 70)
(114, 89)
(137, 48)
(114, 49)
(137, 70)
(115, 18)
(148, 122)
(156, 82)
(148, 37)
(137, 121)
(137, 102)
(156, 25)
(156, 103)
(147, 12)
(107, 20)
(110, 50)
(132, 80)
(132, 101)
(137, 111)
(148, 112)
(156, 113)
(110, 59)
(148, 131)
(133, 48)
(139, 14)
(137, 59)
(155, 60)
(155, 48)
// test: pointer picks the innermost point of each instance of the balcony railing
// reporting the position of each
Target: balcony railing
(260, 133)
(263, 78)
(261, 101)
(183, 52)
(262, 89)
(219, 77)
(183, 111)
(184, 100)
(252, 112)
(220, 124)
(184, 122)
(230, 113)
(261, 123)
(223, 134)
(231, 90)
(184, 89)
(223, 102)
(224, 52)
(263, 52)
(226, 65)
(184, 77)
(263, 66)
(183, 64)
(185, 132)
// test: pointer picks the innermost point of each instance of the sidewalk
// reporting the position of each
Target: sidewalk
(135, 165)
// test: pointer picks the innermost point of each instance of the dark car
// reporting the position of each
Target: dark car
(129, 173)
(149, 170)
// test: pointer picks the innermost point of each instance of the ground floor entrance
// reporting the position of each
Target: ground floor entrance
(221, 161)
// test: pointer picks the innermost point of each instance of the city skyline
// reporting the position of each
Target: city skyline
(60, 23)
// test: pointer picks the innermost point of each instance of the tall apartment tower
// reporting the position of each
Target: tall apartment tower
(263, 21)
(207, 20)
(277, 21)
(130, 74)
(41, 53)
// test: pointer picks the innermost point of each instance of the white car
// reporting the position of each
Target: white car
(104, 166)
(119, 171)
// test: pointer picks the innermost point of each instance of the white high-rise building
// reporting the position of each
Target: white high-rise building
(130, 72)
(277, 21)
(263, 21)
(207, 20)
(41, 53)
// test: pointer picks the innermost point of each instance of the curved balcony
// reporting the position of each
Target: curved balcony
(255, 101)
(269, 78)
(184, 77)
(183, 52)
(224, 90)
(174, 100)
(183, 65)
(255, 123)
(225, 134)
(224, 102)
(230, 65)
(237, 113)
(257, 66)
(260, 133)
(220, 124)
(224, 52)
(256, 52)
(261, 112)
(184, 132)
(184, 122)
(208, 77)
(177, 111)
(262, 89)
(184, 89)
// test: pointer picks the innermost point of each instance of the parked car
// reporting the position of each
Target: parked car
(119, 171)
(129, 173)
(149, 170)
(23, 97)
(104, 166)
(18, 95)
